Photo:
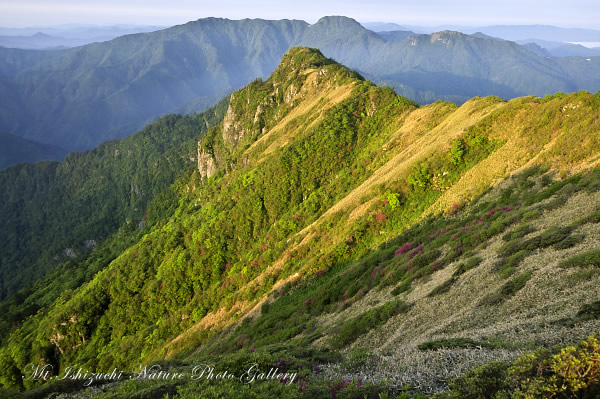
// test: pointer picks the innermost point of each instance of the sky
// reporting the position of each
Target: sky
(565, 13)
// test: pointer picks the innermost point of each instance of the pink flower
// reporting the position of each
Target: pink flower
(406, 247)
(418, 250)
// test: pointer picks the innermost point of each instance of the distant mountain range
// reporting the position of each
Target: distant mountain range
(382, 26)
(507, 32)
(81, 97)
(44, 37)
(14, 149)
(543, 32)
(550, 41)
(39, 41)
(560, 49)
(84, 96)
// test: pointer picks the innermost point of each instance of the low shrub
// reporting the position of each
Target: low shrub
(589, 258)
(363, 323)
(521, 231)
(589, 311)
(444, 287)
(509, 289)
(530, 215)
(402, 287)
(574, 372)
(507, 266)
(487, 381)
(464, 267)
(452, 343)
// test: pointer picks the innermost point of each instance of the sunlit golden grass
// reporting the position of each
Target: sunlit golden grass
(451, 126)
(314, 99)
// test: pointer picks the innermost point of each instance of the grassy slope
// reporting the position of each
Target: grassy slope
(312, 249)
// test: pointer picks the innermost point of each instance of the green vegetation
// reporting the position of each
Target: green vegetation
(354, 328)
(444, 287)
(487, 381)
(509, 289)
(588, 258)
(80, 202)
(517, 249)
(299, 369)
(468, 265)
(588, 311)
(572, 371)
(453, 343)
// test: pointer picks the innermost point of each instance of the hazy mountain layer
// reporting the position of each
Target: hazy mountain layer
(559, 49)
(102, 91)
(56, 37)
(15, 149)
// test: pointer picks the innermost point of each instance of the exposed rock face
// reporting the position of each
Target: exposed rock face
(232, 131)
(290, 94)
(206, 162)
(258, 114)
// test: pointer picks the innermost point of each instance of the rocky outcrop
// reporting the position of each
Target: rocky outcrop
(233, 132)
(206, 162)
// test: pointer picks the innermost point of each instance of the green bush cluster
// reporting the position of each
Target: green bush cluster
(509, 289)
(453, 343)
(371, 319)
(568, 372)
(588, 258)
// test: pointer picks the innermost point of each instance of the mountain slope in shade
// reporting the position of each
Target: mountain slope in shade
(325, 213)
(55, 211)
(107, 90)
(396, 35)
(14, 149)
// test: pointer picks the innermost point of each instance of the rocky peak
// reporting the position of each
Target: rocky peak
(446, 36)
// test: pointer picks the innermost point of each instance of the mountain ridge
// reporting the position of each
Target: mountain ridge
(15, 150)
